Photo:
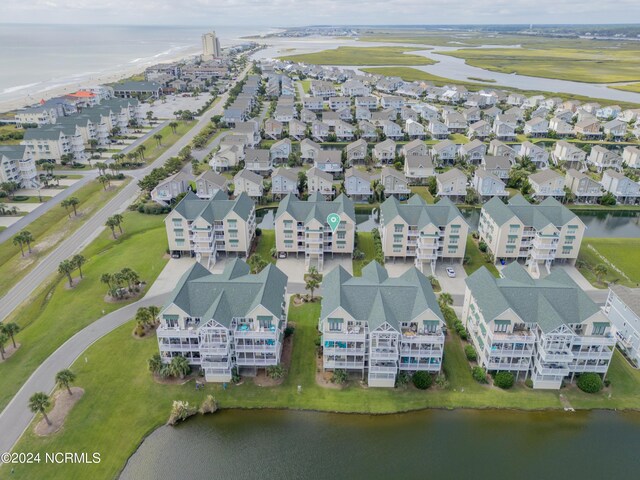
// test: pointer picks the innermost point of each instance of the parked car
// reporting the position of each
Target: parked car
(175, 255)
(282, 255)
(451, 273)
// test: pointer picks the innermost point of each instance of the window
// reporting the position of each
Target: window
(431, 326)
(501, 326)
(179, 232)
(265, 320)
(452, 249)
(288, 224)
(599, 328)
(342, 235)
(335, 324)
(510, 249)
(288, 234)
(512, 238)
(180, 242)
(171, 320)
(233, 243)
(233, 234)
(455, 228)
(397, 249)
(397, 239)
(566, 250)
(397, 228)
(568, 240)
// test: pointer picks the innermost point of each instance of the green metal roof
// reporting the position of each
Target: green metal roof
(418, 212)
(316, 207)
(550, 211)
(233, 293)
(376, 298)
(549, 302)
(214, 209)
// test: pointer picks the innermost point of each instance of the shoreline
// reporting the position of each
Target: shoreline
(25, 99)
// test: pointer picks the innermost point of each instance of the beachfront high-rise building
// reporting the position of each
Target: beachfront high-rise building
(210, 46)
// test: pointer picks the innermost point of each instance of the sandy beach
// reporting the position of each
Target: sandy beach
(31, 96)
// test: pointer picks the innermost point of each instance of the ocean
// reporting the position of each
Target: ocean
(37, 58)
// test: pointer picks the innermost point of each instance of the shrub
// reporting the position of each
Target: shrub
(422, 380)
(441, 381)
(20, 198)
(276, 372)
(258, 232)
(590, 382)
(339, 376)
(288, 331)
(503, 380)
(479, 375)
(180, 411)
(209, 405)
(463, 335)
(235, 376)
(470, 352)
(402, 379)
(529, 383)
(483, 246)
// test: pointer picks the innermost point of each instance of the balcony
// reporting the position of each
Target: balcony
(559, 356)
(518, 336)
(343, 364)
(536, 255)
(383, 353)
(248, 331)
(606, 340)
(426, 256)
(545, 244)
(255, 361)
(383, 369)
(270, 346)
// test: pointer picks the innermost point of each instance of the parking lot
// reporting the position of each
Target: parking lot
(173, 103)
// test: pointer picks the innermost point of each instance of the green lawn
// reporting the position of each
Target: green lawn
(411, 74)
(6, 130)
(55, 313)
(362, 56)
(476, 259)
(153, 151)
(578, 65)
(33, 199)
(365, 243)
(48, 231)
(266, 242)
(122, 404)
(306, 85)
(623, 253)
(424, 192)
(632, 87)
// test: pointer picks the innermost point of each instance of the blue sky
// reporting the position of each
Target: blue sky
(305, 12)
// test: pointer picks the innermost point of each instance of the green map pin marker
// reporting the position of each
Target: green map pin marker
(333, 219)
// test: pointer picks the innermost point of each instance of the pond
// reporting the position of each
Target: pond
(432, 444)
(599, 224)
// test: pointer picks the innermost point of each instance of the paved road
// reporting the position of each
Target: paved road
(46, 206)
(16, 417)
(93, 226)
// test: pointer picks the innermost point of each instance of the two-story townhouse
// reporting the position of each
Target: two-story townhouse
(452, 184)
(309, 150)
(546, 329)
(623, 310)
(320, 131)
(615, 129)
(427, 233)
(535, 153)
(473, 152)
(504, 127)
(329, 161)
(228, 156)
(205, 228)
(273, 128)
(208, 183)
(280, 151)
(379, 326)
(356, 152)
(357, 184)
(307, 116)
(500, 149)
(224, 322)
(320, 181)
(417, 168)
(536, 127)
(258, 161)
(602, 158)
(302, 228)
(534, 234)
(631, 156)
(500, 166)
(588, 128)
(338, 103)
(488, 185)
(568, 155)
(438, 130)
(582, 186)
(480, 130)
(444, 152)
(561, 128)
(547, 183)
(368, 101)
(367, 130)
(394, 182)
(415, 130)
(414, 147)
(248, 182)
(622, 187)
(385, 152)
(284, 181)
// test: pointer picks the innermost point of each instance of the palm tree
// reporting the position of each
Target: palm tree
(18, 240)
(154, 311)
(73, 203)
(27, 238)
(445, 299)
(173, 126)
(4, 338)
(38, 403)
(140, 151)
(64, 379)
(155, 363)
(179, 366)
(600, 270)
(107, 278)
(104, 180)
(130, 276)
(158, 138)
(78, 260)
(118, 219)
(65, 204)
(143, 317)
(102, 167)
(66, 267)
(12, 329)
(111, 223)
(311, 284)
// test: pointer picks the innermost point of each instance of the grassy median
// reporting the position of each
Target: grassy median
(362, 56)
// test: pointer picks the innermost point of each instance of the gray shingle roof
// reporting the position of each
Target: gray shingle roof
(233, 293)
(549, 302)
(630, 297)
(316, 207)
(376, 298)
(417, 212)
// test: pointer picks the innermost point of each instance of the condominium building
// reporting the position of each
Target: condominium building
(210, 46)
(17, 165)
(546, 329)
(302, 228)
(206, 227)
(225, 322)
(535, 234)
(427, 233)
(623, 309)
(379, 325)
